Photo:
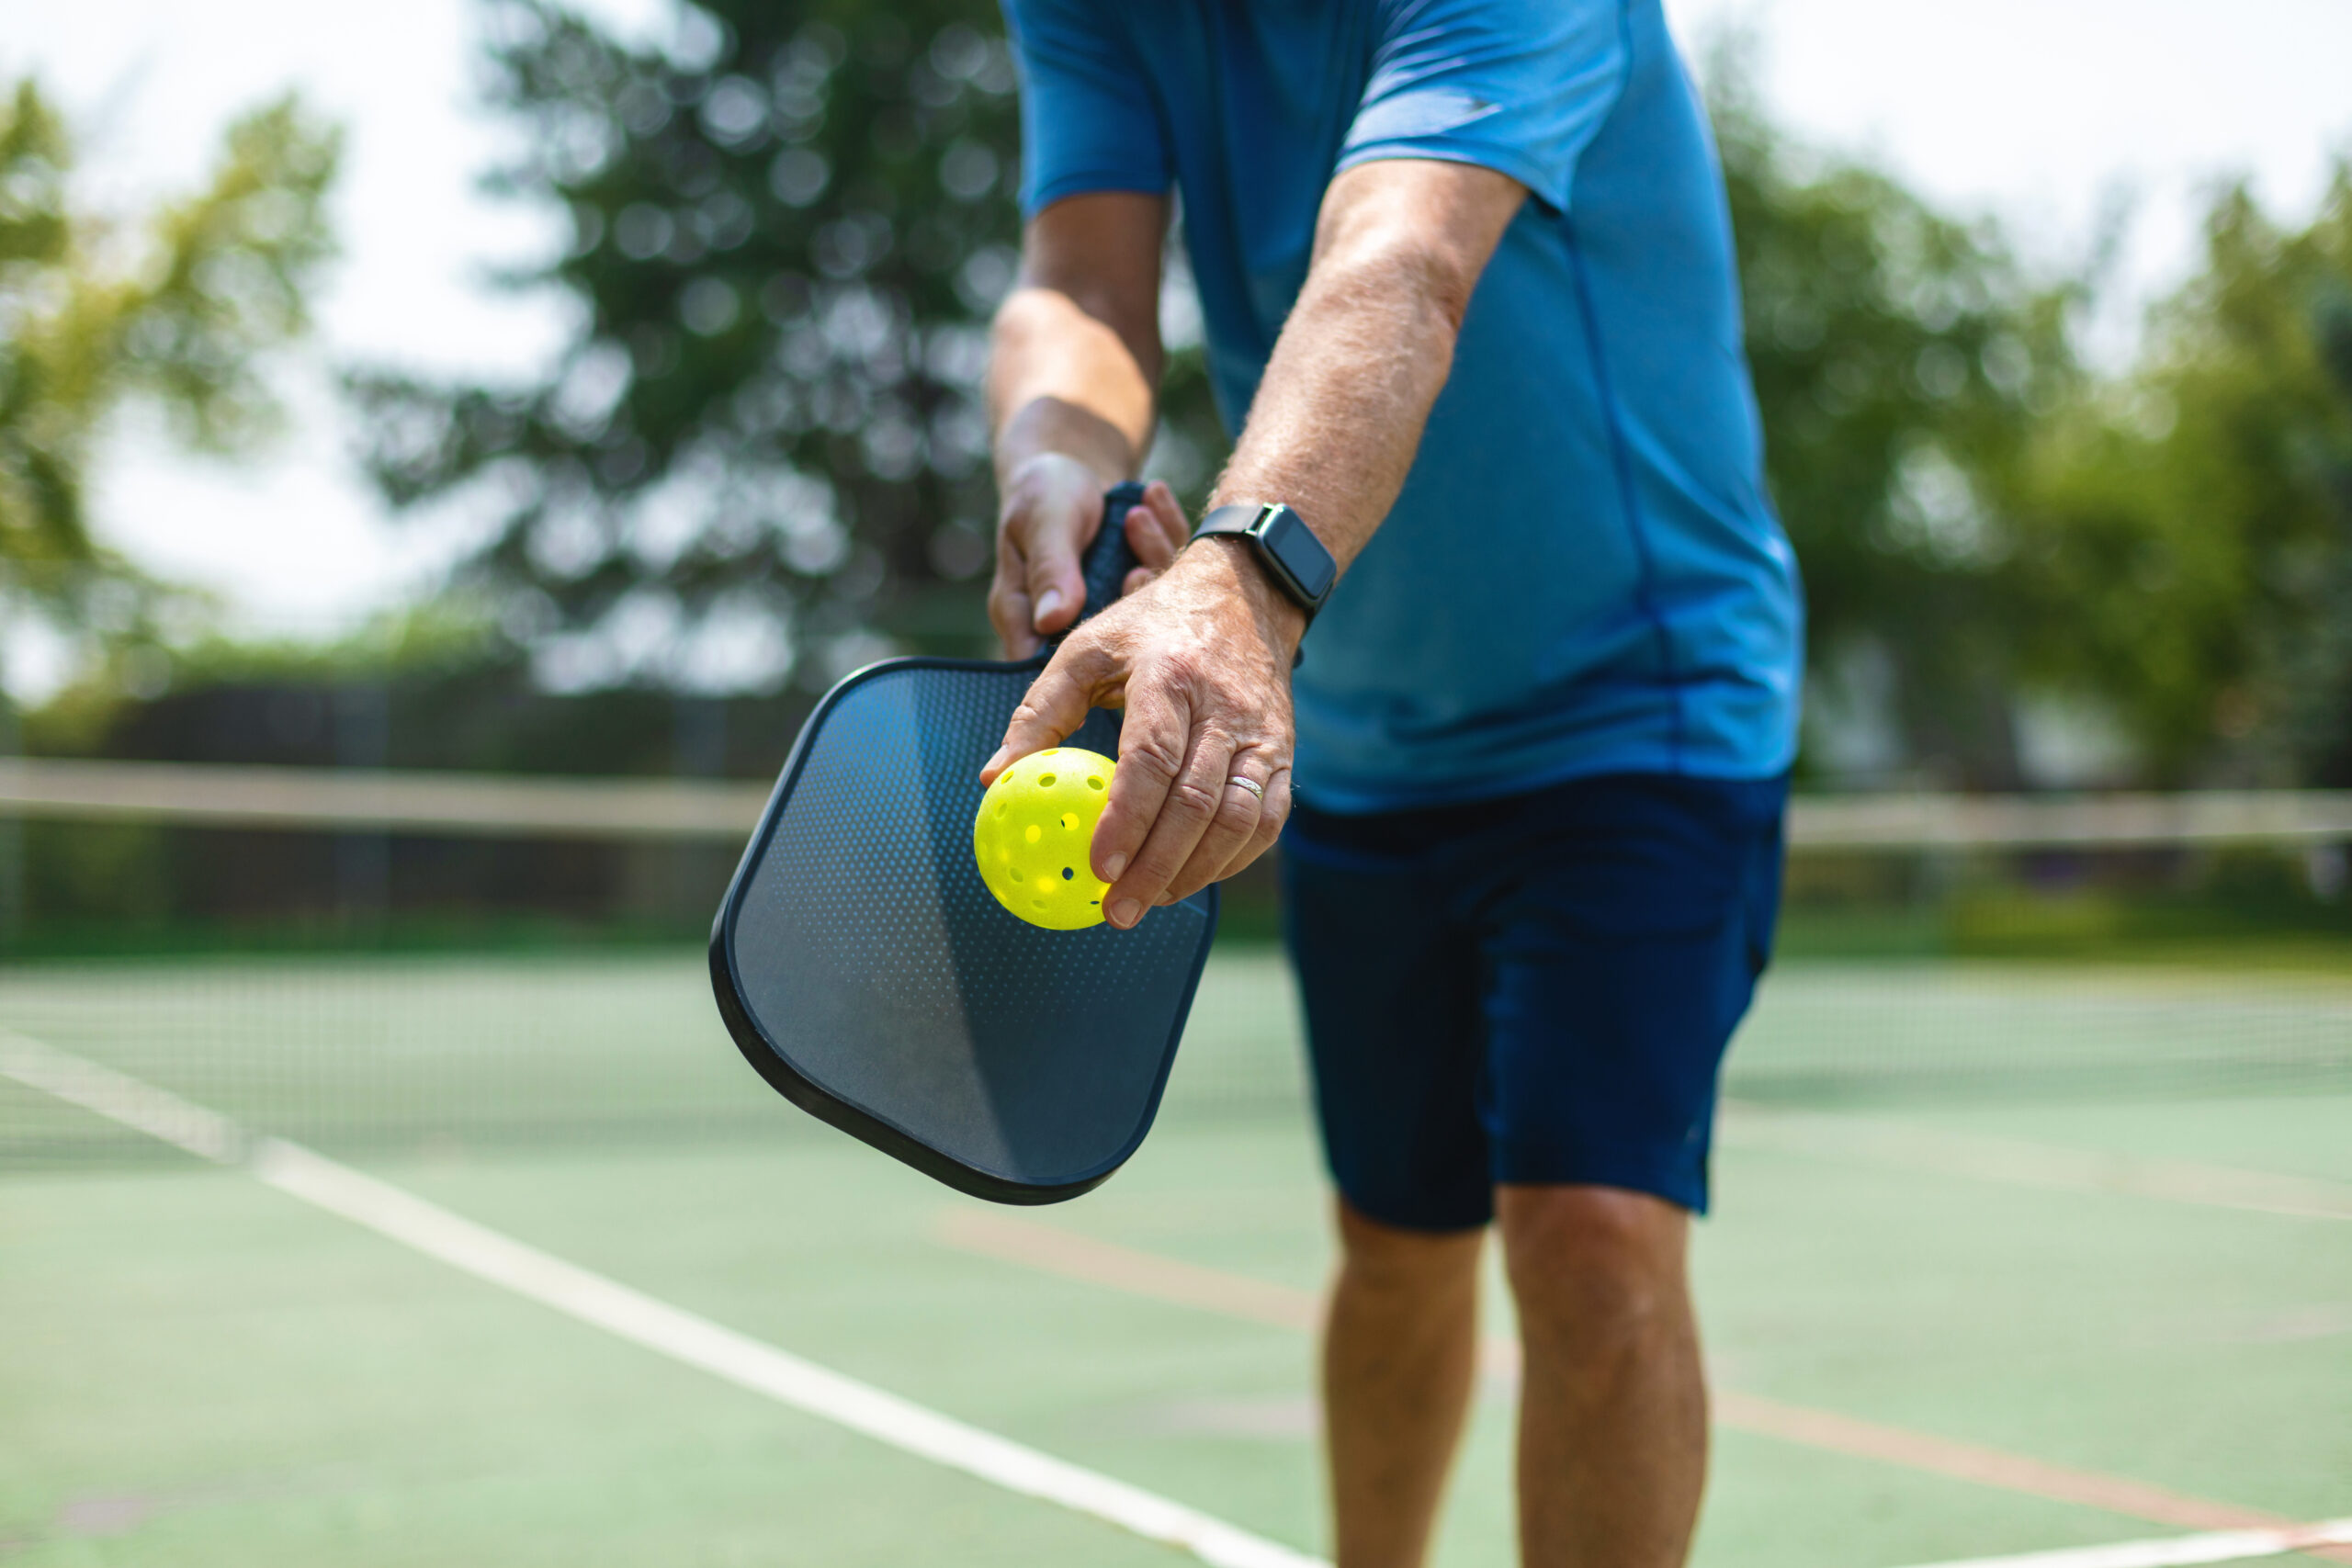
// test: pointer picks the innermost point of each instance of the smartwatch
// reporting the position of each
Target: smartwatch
(1284, 546)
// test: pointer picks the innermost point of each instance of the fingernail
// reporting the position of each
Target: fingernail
(1048, 602)
(1116, 866)
(1125, 913)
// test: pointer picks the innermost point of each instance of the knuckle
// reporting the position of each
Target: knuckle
(1191, 798)
(1238, 811)
(1151, 755)
(1032, 714)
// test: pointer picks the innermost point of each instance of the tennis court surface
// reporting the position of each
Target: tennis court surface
(2009, 1259)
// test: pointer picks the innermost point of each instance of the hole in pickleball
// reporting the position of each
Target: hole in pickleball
(1002, 807)
(1032, 832)
(1068, 875)
(1040, 903)
(1069, 822)
(1045, 781)
(1093, 782)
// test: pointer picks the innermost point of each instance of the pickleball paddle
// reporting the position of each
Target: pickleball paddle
(872, 977)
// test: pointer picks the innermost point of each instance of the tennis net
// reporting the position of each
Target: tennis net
(457, 965)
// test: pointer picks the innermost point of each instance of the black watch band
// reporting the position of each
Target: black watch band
(1284, 546)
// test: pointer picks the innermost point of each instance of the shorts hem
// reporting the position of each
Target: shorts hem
(1629, 1173)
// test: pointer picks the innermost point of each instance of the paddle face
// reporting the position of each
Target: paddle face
(873, 980)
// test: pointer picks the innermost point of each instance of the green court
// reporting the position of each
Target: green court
(2005, 1260)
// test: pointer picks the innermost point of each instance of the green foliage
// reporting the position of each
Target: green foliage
(177, 307)
(788, 229)
(1982, 520)
(1902, 360)
(2191, 550)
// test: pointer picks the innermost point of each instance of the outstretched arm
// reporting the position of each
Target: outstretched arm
(1200, 656)
(1337, 418)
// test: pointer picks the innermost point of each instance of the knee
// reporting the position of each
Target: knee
(1387, 1260)
(1595, 1268)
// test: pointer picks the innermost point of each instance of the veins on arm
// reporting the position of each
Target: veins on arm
(1399, 247)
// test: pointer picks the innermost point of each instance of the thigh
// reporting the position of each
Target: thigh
(1390, 988)
(1618, 956)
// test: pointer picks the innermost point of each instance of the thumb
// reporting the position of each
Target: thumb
(1056, 706)
(1057, 585)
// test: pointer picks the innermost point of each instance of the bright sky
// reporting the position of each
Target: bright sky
(2028, 108)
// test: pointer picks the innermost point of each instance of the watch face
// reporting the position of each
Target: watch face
(1301, 554)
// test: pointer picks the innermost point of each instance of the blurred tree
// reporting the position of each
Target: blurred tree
(176, 309)
(787, 228)
(1982, 521)
(1902, 361)
(2189, 550)
(764, 446)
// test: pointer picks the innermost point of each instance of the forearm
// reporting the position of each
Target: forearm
(1398, 250)
(1062, 381)
(1339, 412)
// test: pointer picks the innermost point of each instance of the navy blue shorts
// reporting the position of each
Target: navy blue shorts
(1536, 989)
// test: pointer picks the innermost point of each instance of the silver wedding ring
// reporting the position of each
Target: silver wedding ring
(1252, 785)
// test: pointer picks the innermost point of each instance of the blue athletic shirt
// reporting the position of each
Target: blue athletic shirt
(1583, 574)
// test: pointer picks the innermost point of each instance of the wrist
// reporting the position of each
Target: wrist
(1047, 433)
(1052, 470)
(1286, 551)
(1228, 565)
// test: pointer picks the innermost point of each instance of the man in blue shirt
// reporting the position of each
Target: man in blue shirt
(1467, 281)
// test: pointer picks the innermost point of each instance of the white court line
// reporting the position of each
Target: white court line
(2218, 1546)
(605, 1303)
(697, 1341)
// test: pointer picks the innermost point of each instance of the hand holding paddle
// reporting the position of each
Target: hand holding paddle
(1054, 507)
(1199, 656)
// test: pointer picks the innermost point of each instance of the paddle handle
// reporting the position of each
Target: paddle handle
(1109, 558)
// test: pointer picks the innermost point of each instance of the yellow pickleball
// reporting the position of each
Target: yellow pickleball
(1034, 833)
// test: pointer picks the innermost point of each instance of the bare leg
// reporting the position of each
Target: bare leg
(1612, 1420)
(1398, 1355)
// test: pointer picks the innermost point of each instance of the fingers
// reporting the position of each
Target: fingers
(1055, 587)
(1155, 738)
(1247, 822)
(1157, 531)
(1181, 800)
(1053, 505)
(1056, 706)
(1010, 611)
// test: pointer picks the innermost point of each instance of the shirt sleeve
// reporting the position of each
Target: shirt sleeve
(1089, 119)
(1518, 86)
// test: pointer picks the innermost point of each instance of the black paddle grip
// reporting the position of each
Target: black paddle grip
(1109, 558)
